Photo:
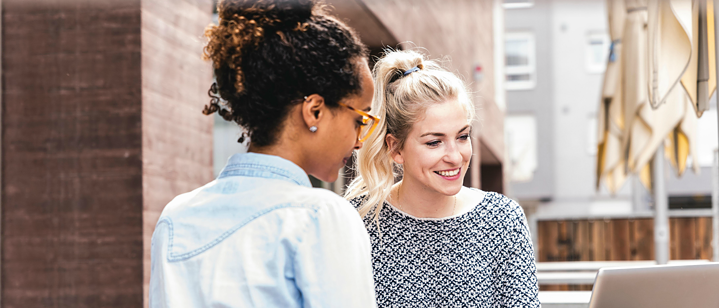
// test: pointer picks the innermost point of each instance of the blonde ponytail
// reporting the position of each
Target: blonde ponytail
(405, 85)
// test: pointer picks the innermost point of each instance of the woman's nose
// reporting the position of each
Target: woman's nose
(358, 144)
(453, 155)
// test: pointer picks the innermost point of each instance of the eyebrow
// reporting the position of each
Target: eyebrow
(442, 134)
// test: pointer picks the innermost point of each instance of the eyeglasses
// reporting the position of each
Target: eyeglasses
(369, 123)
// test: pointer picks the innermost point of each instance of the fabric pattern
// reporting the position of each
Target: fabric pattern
(483, 258)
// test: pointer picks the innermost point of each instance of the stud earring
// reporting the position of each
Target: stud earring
(313, 129)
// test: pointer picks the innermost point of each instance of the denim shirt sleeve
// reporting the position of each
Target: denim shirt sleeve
(333, 265)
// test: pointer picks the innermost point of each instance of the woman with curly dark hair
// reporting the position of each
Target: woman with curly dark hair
(297, 80)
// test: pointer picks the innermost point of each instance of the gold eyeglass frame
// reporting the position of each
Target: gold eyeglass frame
(365, 118)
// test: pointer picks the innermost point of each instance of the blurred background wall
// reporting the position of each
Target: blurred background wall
(556, 53)
(102, 127)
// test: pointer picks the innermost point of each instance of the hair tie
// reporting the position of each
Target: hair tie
(411, 70)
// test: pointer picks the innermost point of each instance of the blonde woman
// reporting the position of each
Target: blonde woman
(435, 243)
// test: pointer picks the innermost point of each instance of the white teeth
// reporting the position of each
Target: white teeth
(448, 173)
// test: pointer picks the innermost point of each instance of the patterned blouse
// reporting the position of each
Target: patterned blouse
(482, 258)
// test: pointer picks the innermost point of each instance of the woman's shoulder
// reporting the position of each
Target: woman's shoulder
(333, 211)
(366, 212)
(498, 207)
(320, 200)
(329, 198)
(356, 202)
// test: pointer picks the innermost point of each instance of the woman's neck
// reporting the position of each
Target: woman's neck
(419, 201)
(282, 150)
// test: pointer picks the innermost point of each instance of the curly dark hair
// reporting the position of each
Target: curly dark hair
(268, 55)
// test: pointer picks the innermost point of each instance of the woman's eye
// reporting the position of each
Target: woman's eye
(360, 123)
(464, 137)
(433, 143)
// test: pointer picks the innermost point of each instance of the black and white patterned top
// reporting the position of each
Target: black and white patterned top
(482, 258)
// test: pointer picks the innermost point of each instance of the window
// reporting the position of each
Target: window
(597, 52)
(706, 137)
(517, 4)
(521, 141)
(519, 61)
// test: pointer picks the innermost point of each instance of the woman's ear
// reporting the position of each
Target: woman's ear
(313, 110)
(394, 152)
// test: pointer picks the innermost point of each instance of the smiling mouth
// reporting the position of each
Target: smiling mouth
(448, 173)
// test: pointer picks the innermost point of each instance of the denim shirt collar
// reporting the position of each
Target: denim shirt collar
(265, 166)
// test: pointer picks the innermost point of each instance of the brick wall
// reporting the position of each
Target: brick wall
(176, 136)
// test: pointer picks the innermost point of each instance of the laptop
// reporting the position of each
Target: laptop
(659, 286)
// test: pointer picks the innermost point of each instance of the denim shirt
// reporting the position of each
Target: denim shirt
(260, 236)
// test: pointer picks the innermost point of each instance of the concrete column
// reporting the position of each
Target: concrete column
(661, 210)
(715, 207)
(101, 127)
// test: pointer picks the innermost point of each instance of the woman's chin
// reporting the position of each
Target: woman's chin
(450, 191)
(328, 177)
